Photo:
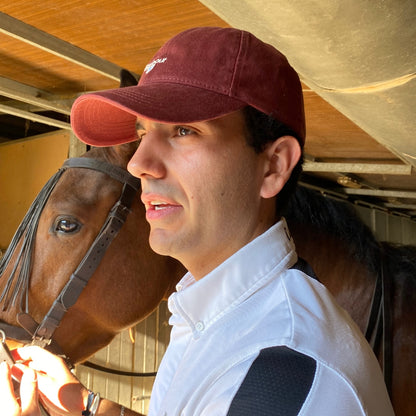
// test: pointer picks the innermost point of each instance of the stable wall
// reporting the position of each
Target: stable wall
(388, 227)
(25, 166)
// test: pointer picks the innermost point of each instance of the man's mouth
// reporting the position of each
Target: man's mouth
(159, 207)
(156, 205)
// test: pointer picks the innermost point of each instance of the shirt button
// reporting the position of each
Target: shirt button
(199, 326)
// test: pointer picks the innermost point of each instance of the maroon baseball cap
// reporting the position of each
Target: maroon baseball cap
(200, 74)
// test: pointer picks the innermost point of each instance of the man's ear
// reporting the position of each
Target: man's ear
(281, 156)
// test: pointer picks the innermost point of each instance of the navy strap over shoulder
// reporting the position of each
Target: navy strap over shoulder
(277, 383)
(304, 267)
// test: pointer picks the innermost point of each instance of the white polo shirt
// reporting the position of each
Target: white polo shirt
(255, 337)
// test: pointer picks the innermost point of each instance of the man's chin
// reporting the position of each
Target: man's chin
(160, 243)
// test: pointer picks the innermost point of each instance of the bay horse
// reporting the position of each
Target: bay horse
(131, 280)
(127, 285)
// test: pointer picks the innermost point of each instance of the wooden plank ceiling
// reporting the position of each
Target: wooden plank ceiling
(51, 51)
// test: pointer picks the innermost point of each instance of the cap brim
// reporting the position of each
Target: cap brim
(107, 118)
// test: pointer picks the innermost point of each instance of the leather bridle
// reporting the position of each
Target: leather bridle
(379, 332)
(42, 333)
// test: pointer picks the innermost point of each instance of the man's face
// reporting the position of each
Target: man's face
(201, 188)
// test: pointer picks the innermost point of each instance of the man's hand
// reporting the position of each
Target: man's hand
(59, 390)
(27, 405)
(46, 377)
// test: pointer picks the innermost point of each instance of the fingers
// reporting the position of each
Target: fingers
(36, 353)
(46, 362)
(58, 388)
(7, 399)
(29, 394)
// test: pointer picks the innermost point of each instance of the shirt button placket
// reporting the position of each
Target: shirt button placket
(199, 326)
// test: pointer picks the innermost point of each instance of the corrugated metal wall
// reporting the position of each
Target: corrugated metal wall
(152, 335)
(387, 227)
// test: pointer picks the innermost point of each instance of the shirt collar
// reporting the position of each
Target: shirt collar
(201, 303)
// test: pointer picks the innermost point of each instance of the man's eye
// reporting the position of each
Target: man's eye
(183, 131)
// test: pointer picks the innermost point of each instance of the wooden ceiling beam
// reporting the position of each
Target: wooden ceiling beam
(30, 95)
(381, 193)
(359, 168)
(33, 36)
(34, 117)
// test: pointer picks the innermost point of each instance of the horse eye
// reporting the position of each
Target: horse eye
(67, 225)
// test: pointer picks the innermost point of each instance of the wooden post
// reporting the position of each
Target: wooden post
(76, 147)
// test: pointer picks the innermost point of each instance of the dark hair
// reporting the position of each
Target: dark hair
(263, 129)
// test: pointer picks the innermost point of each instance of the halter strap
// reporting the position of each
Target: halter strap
(114, 171)
(15, 332)
(379, 331)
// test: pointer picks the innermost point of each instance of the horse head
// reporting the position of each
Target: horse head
(129, 282)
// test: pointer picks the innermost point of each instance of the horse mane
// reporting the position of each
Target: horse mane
(401, 259)
(320, 213)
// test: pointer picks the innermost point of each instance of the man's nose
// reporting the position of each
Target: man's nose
(147, 160)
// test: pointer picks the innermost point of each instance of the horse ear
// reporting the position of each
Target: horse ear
(282, 155)
(127, 79)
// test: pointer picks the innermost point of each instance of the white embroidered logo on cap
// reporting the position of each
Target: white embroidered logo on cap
(150, 66)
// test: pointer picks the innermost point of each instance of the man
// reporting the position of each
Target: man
(219, 120)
